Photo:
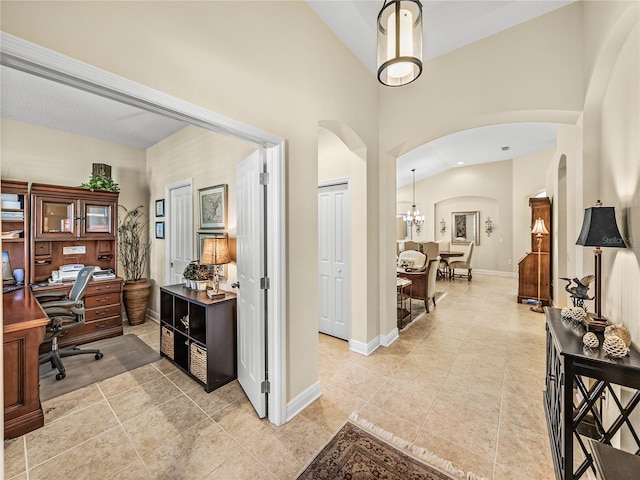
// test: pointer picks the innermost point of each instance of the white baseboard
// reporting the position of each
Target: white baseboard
(155, 316)
(497, 273)
(302, 401)
(389, 338)
(364, 348)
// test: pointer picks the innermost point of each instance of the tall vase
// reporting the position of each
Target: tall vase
(136, 298)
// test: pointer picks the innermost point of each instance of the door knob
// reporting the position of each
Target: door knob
(235, 285)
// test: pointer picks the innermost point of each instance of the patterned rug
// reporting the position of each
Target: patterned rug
(354, 453)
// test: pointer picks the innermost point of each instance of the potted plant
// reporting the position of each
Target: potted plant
(202, 276)
(100, 181)
(133, 253)
(190, 274)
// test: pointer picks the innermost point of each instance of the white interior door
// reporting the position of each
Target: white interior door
(333, 255)
(250, 261)
(179, 219)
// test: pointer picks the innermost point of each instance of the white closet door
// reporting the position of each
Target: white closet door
(333, 257)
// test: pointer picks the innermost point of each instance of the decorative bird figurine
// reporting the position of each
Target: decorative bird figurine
(582, 286)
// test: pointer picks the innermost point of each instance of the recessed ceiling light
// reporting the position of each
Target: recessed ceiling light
(460, 163)
(505, 148)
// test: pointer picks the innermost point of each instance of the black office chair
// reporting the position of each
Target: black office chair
(65, 312)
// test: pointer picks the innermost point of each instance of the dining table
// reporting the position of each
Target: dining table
(445, 255)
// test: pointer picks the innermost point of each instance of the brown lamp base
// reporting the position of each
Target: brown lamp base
(538, 308)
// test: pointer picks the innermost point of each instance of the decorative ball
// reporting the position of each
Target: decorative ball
(590, 340)
(619, 331)
(565, 313)
(578, 314)
(615, 347)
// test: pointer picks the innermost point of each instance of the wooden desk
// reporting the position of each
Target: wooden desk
(23, 332)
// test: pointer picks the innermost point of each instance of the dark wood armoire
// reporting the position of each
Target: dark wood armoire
(528, 266)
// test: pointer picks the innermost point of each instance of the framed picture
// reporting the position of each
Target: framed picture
(159, 229)
(160, 208)
(213, 207)
(201, 236)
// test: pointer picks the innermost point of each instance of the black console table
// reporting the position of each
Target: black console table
(582, 398)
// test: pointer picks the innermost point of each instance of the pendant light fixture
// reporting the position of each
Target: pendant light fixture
(399, 42)
(413, 217)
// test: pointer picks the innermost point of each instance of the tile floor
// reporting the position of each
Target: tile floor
(464, 381)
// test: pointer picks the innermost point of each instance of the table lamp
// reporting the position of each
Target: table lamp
(215, 251)
(539, 229)
(599, 229)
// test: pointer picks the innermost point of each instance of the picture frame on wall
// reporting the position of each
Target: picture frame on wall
(160, 208)
(213, 207)
(159, 229)
(201, 236)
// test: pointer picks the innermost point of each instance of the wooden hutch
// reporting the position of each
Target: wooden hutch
(528, 266)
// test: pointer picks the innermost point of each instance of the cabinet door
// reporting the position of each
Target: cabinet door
(97, 219)
(55, 218)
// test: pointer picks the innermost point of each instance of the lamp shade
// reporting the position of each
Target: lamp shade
(599, 228)
(399, 42)
(539, 227)
(215, 251)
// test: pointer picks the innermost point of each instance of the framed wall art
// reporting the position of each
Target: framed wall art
(160, 208)
(159, 229)
(213, 207)
(465, 227)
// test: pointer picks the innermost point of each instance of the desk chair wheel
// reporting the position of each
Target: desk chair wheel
(99, 355)
(60, 376)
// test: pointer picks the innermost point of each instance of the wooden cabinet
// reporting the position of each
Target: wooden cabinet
(528, 265)
(71, 225)
(199, 334)
(588, 395)
(103, 312)
(15, 224)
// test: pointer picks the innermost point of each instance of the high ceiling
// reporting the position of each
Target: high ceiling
(448, 25)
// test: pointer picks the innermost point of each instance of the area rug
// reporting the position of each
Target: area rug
(121, 354)
(417, 307)
(364, 452)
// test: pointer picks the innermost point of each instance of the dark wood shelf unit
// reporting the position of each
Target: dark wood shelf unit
(583, 399)
(211, 328)
(528, 265)
(17, 248)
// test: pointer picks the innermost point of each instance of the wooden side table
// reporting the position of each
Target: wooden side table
(403, 313)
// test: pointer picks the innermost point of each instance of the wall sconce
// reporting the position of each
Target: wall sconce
(443, 227)
(488, 226)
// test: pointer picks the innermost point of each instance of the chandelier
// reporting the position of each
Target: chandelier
(399, 42)
(413, 217)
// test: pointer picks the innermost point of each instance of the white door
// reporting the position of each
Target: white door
(179, 218)
(250, 261)
(333, 255)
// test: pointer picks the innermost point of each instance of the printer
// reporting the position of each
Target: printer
(69, 273)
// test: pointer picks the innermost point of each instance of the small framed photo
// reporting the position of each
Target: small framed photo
(201, 237)
(160, 208)
(159, 229)
(213, 207)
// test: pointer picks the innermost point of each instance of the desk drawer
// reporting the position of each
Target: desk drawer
(98, 313)
(94, 327)
(98, 287)
(102, 300)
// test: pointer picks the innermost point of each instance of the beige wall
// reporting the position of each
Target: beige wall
(259, 63)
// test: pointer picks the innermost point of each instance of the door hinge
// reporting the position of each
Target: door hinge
(264, 178)
(265, 387)
(265, 283)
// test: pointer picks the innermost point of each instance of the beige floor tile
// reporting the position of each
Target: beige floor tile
(137, 400)
(192, 454)
(515, 447)
(523, 411)
(388, 422)
(161, 424)
(128, 380)
(332, 408)
(241, 467)
(362, 381)
(103, 453)
(71, 402)
(218, 399)
(14, 462)
(183, 381)
(135, 470)
(69, 432)
(20, 476)
(410, 401)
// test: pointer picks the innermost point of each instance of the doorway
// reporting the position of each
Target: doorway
(33, 59)
(334, 265)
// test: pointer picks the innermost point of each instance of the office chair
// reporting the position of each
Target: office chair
(65, 312)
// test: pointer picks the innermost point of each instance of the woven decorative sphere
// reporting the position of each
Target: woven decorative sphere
(615, 347)
(619, 331)
(578, 314)
(590, 340)
(565, 313)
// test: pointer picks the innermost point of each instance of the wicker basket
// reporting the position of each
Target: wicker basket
(166, 342)
(198, 362)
